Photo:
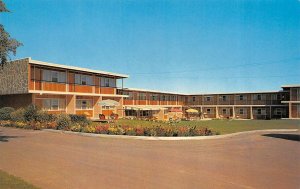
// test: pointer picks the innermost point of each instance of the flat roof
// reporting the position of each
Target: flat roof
(152, 91)
(37, 62)
(164, 92)
(247, 92)
(290, 86)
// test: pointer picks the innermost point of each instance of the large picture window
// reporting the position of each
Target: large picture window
(107, 82)
(53, 104)
(84, 104)
(81, 79)
(53, 76)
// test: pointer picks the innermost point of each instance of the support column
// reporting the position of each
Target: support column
(71, 104)
(290, 110)
(233, 112)
(270, 112)
(217, 112)
(251, 112)
(97, 108)
(201, 109)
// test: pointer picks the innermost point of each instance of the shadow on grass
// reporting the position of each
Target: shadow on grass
(293, 137)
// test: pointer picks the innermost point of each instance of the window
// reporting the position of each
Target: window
(260, 111)
(257, 97)
(153, 97)
(53, 104)
(53, 76)
(194, 99)
(241, 97)
(224, 111)
(278, 111)
(173, 98)
(163, 97)
(241, 111)
(81, 79)
(142, 96)
(223, 98)
(208, 111)
(83, 104)
(107, 82)
(208, 98)
(130, 95)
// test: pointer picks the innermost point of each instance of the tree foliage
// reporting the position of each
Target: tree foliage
(8, 45)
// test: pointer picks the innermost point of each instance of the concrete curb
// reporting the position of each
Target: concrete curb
(169, 138)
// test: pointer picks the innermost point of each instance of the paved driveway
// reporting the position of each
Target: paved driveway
(55, 160)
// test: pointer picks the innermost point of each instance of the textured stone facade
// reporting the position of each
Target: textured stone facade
(14, 77)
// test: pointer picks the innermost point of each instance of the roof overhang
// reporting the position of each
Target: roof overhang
(79, 69)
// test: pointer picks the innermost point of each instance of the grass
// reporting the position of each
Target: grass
(222, 126)
(11, 182)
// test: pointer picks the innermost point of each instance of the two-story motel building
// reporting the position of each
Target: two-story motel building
(74, 90)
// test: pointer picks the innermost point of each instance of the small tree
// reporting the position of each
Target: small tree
(8, 45)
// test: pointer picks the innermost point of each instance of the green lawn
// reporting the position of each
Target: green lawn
(224, 126)
(11, 182)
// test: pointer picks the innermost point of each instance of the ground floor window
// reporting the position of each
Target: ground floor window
(260, 111)
(208, 111)
(53, 104)
(84, 104)
(242, 111)
(278, 111)
(224, 111)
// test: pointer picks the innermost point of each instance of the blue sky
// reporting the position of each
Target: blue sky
(180, 46)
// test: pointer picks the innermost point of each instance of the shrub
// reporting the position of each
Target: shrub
(18, 115)
(30, 113)
(149, 131)
(63, 122)
(81, 119)
(5, 113)
(76, 127)
(44, 117)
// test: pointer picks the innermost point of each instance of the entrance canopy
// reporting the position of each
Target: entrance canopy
(191, 110)
(109, 103)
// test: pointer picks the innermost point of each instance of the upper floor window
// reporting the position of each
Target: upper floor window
(154, 97)
(207, 98)
(173, 98)
(83, 79)
(53, 76)
(194, 99)
(241, 97)
(107, 82)
(142, 96)
(223, 98)
(258, 97)
(130, 95)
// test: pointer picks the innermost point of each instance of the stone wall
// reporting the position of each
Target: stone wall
(14, 77)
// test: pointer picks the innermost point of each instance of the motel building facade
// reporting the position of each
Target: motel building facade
(74, 90)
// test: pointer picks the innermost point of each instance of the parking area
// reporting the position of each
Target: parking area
(56, 160)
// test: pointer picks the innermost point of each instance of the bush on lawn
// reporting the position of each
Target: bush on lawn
(81, 119)
(44, 117)
(63, 122)
(18, 115)
(30, 113)
(5, 113)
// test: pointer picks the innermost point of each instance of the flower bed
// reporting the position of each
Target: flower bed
(33, 118)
